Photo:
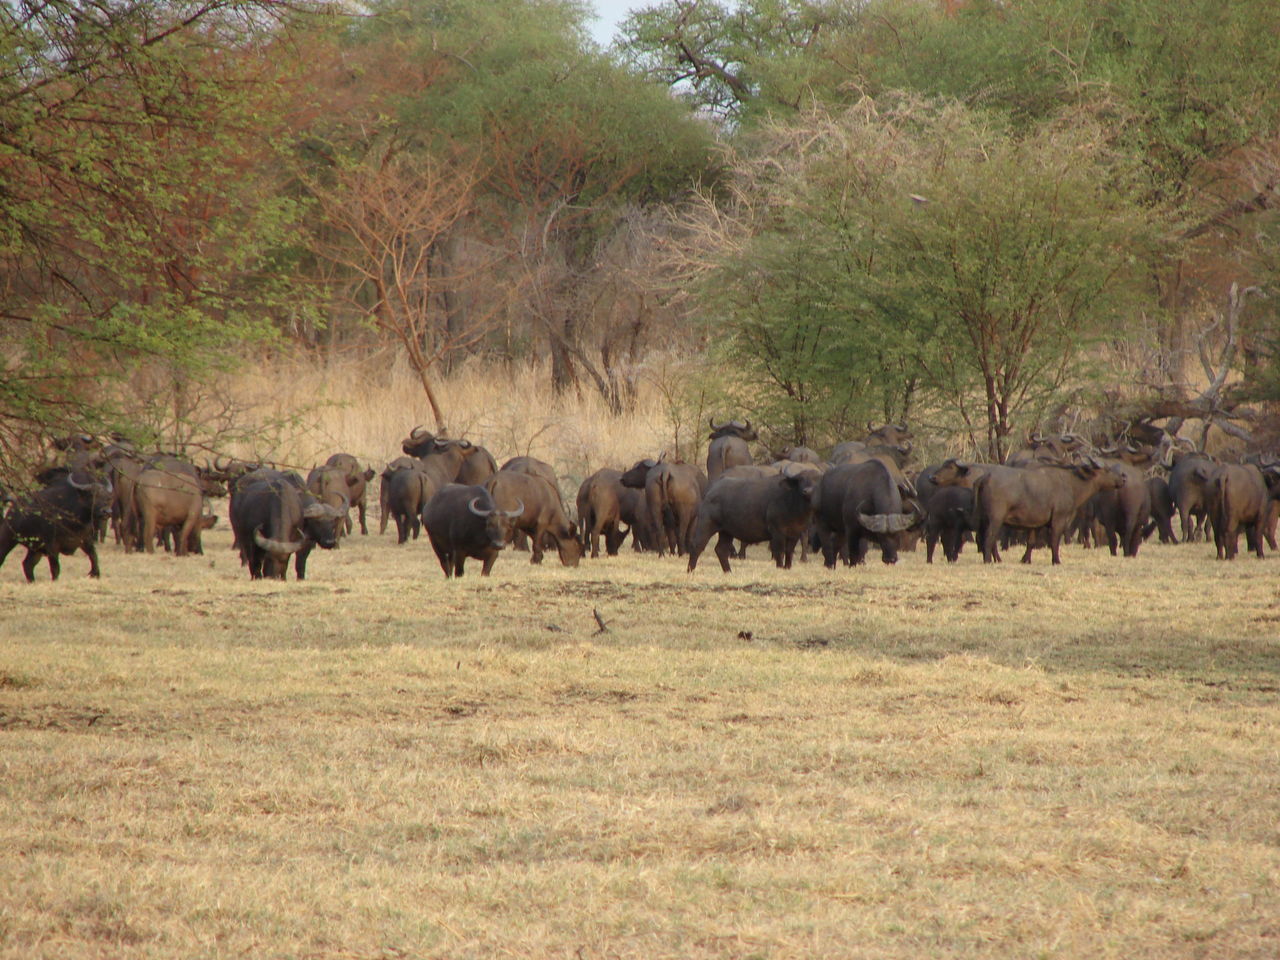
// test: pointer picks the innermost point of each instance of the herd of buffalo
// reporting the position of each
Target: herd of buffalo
(1057, 488)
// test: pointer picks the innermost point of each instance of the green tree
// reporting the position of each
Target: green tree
(128, 231)
(561, 141)
(908, 254)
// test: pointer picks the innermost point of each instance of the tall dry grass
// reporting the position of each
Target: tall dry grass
(365, 406)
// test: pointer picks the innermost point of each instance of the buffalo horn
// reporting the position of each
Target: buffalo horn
(905, 447)
(464, 444)
(518, 511)
(901, 427)
(871, 427)
(1036, 439)
(277, 548)
(417, 432)
(219, 466)
(477, 511)
(886, 522)
(716, 426)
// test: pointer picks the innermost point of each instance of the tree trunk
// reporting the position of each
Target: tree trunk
(444, 260)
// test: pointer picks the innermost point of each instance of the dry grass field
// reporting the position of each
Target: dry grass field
(881, 762)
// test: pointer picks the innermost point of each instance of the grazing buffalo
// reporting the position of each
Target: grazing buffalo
(357, 485)
(604, 505)
(463, 521)
(275, 517)
(672, 493)
(855, 504)
(330, 485)
(542, 515)
(777, 509)
(728, 447)
(534, 467)
(59, 519)
(1043, 498)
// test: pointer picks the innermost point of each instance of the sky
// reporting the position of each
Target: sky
(610, 14)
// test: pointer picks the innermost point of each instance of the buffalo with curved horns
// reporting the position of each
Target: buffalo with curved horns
(61, 518)
(463, 522)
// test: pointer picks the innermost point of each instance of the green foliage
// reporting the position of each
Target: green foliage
(924, 255)
(128, 231)
(740, 60)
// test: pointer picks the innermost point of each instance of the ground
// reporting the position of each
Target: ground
(903, 761)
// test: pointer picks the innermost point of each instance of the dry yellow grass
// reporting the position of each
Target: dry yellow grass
(896, 762)
(366, 407)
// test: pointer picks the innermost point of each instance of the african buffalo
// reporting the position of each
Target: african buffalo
(728, 447)
(948, 517)
(1041, 498)
(542, 512)
(1056, 448)
(462, 461)
(168, 493)
(604, 504)
(1123, 513)
(854, 504)
(406, 493)
(463, 521)
(1239, 498)
(1186, 483)
(357, 485)
(61, 518)
(330, 485)
(1162, 510)
(672, 494)
(799, 455)
(274, 517)
(777, 509)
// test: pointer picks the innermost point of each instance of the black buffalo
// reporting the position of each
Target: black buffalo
(275, 517)
(752, 510)
(463, 521)
(59, 519)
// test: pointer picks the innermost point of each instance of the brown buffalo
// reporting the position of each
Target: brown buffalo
(542, 515)
(604, 506)
(168, 494)
(728, 447)
(1044, 498)
(357, 485)
(672, 494)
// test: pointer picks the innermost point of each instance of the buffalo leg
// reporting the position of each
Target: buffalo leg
(460, 565)
(1055, 541)
(91, 551)
(724, 550)
(29, 564)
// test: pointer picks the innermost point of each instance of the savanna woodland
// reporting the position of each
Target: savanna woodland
(260, 232)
